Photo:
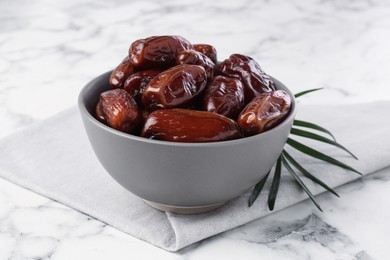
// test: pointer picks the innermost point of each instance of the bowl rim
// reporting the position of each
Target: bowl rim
(94, 121)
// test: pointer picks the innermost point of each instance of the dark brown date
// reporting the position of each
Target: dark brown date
(175, 87)
(157, 52)
(182, 125)
(136, 84)
(264, 112)
(255, 80)
(207, 50)
(197, 58)
(117, 109)
(121, 73)
(224, 96)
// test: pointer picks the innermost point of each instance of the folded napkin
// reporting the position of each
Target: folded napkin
(54, 158)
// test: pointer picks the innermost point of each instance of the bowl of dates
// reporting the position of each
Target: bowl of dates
(183, 131)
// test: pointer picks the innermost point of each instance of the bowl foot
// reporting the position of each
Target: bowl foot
(184, 210)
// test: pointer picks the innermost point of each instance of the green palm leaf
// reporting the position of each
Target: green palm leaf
(275, 184)
(306, 92)
(312, 126)
(306, 173)
(320, 138)
(300, 182)
(286, 159)
(316, 154)
(257, 189)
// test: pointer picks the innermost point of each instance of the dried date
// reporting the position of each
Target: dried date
(175, 87)
(197, 58)
(207, 50)
(121, 73)
(264, 112)
(224, 96)
(182, 125)
(157, 52)
(136, 84)
(117, 109)
(255, 80)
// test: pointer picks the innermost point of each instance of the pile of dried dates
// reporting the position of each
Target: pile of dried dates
(169, 89)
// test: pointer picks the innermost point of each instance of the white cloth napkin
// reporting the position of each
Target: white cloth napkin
(54, 158)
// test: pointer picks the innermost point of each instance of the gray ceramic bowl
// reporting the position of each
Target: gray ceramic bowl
(181, 177)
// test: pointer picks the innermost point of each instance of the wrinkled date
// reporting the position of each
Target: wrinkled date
(121, 73)
(117, 109)
(182, 125)
(136, 84)
(197, 58)
(255, 80)
(207, 50)
(264, 112)
(157, 52)
(175, 87)
(224, 96)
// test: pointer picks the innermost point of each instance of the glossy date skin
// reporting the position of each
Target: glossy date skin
(121, 73)
(224, 96)
(136, 84)
(255, 80)
(264, 112)
(197, 58)
(182, 125)
(117, 109)
(157, 52)
(207, 50)
(175, 87)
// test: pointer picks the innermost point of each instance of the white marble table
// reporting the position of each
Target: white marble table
(50, 49)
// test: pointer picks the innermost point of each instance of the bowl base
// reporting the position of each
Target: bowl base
(184, 210)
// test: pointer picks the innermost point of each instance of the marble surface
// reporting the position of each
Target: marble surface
(50, 49)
